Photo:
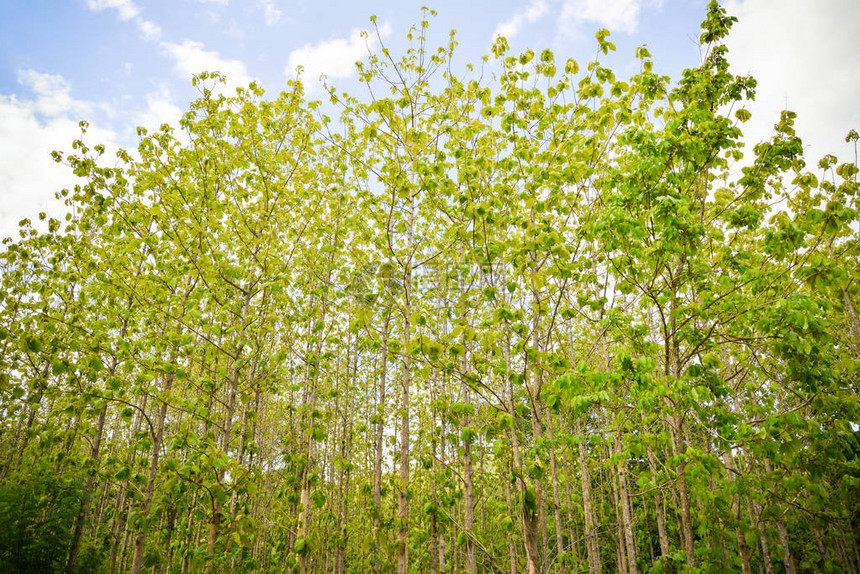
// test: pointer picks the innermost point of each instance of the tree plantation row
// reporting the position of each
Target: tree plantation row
(550, 321)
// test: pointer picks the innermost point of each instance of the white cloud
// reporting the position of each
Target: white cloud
(30, 129)
(125, 8)
(219, 2)
(192, 58)
(128, 10)
(334, 59)
(150, 30)
(531, 14)
(804, 56)
(615, 15)
(160, 109)
(52, 92)
(271, 13)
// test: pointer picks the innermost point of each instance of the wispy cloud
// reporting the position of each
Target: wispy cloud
(333, 59)
(271, 13)
(615, 15)
(190, 57)
(531, 14)
(160, 109)
(53, 94)
(126, 9)
(150, 30)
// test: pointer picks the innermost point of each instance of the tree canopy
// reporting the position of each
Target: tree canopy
(550, 320)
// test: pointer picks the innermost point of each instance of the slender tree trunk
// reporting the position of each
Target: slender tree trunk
(537, 433)
(573, 546)
(659, 508)
(217, 517)
(673, 365)
(312, 367)
(556, 499)
(626, 511)
(755, 514)
(684, 495)
(591, 542)
(852, 318)
(512, 544)
(434, 531)
(743, 548)
(527, 498)
(406, 381)
(140, 541)
(471, 564)
(788, 559)
(81, 519)
(120, 520)
(620, 546)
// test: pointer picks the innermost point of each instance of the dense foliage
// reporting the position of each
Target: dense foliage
(552, 321)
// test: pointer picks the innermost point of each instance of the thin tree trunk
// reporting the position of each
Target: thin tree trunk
(402, 495)
(743, 548)
(852, 318)
(673, 365)
(378, 444)
(591, 542)
(755, 513)
(512, 544)
(788, 559)
(659, 508)
(312, 368)
(471, 564)
(81, 518)
(529, 518)
(140, 540)
(120, 521)
(620, 546)
(556, 499)
(626, 512)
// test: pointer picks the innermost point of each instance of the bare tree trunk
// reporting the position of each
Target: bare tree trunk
(620, 546)
(591, 542)
(512, 544)
(743, 548)
(852, 318)
(434, 531)
(537, 432)
(559, 537)
(626, 512)
(788, 559)
(528, 498)
(81, 519)
(215, 521)
(380, 425)
(471, 564)
(673, 366)
(755, 514)
(402, 498)
(659, 509)
(140, 541)
(119, 524)
(312, 368)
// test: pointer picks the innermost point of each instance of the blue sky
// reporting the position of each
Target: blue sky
(123, 63)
